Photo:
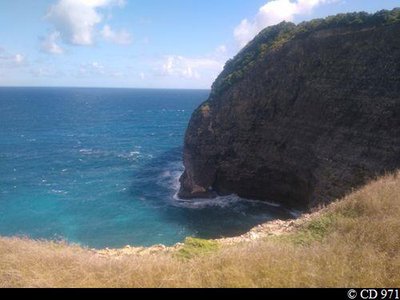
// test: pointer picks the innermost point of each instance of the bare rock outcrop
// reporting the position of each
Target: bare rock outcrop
(302, 115)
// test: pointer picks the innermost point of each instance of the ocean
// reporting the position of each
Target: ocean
(101, 167)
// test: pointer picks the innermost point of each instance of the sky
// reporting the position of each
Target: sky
(140, 43)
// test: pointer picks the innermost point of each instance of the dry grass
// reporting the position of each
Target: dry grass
(353, 243)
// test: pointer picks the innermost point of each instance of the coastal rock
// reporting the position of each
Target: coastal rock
(302, 115)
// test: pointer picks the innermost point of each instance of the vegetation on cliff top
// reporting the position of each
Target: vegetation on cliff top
(352, 243)
(275, 36)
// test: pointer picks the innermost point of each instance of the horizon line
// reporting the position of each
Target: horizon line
(100, 87)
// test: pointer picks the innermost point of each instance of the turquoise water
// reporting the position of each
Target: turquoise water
(100, 167)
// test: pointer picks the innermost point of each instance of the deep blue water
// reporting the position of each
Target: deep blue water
(100, 167)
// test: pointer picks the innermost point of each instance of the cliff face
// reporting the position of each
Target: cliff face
(302, 115)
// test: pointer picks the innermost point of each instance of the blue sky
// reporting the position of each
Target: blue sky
(140, 43)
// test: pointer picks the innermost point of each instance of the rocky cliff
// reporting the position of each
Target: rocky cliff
(302, 115)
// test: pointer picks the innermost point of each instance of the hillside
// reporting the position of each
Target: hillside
(351, 243)
(302, 115)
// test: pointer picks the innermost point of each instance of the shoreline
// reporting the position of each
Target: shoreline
(264, 230)
(317, 249)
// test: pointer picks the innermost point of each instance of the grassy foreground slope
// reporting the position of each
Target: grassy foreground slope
(353, 242)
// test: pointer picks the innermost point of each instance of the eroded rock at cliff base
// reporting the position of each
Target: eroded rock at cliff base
(302, 115)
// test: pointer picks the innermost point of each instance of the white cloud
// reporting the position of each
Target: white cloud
(273, 12)
(93, 68)
(96, 69)
(50, 45)
(121, 37)
(46, 71)
(76, 20)
(97, 66)
(222, 49)
(41, 72)
(11, 60)
(189, 68)
(11, 64)
(18, 59)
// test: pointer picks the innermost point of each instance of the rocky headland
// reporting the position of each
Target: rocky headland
(302, 115)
